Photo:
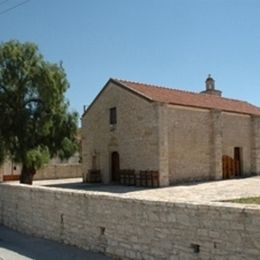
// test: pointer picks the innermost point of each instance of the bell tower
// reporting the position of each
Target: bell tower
(210, 87)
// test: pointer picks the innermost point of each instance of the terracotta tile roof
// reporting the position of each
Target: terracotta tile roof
(185, 98)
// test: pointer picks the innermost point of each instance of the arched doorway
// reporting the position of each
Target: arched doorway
(115, 167)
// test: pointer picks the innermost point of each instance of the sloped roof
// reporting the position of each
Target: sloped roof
(185, 98)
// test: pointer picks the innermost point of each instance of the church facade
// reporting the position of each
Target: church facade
(185, 136)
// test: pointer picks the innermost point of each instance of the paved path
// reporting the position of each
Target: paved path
(17, 246)
(196, 192)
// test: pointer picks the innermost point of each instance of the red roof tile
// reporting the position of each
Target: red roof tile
(185, 98)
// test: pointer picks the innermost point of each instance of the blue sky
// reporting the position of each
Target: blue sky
(174, 43)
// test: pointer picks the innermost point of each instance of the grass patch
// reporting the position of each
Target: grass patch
(252, 200)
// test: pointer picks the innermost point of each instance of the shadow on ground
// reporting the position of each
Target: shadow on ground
(17, 246)
(98, 187)
(115, 188)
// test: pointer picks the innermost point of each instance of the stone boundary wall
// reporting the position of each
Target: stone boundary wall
(133, 229)
(59, 171)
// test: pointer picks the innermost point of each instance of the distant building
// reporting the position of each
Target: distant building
(56, 168)
(184, 136)
(9, 171)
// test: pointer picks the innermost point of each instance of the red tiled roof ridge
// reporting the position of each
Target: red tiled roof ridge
(153, 85)
(188, 98)
(243, 101)
(183, 91)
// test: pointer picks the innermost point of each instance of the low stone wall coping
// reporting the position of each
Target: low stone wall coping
(133, 228)
(218, 205)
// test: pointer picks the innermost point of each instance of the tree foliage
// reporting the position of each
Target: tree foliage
(35, 123)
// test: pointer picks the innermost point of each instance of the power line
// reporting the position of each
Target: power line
(3, 2)
(13, 7)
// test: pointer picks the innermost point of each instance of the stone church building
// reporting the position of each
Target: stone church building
(185, 136)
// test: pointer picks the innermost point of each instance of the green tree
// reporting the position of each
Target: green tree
(35, 122)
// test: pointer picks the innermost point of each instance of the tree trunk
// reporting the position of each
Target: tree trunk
(27, 174)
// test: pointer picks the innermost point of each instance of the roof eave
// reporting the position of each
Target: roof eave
(210, 108)
(120, 84)
(140, 94)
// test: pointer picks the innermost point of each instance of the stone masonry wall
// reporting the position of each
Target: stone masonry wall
(198, 138)
(134, 137)
(133, 229)
(256, 145)
(10, 168)
(59, 171)
(237, 132)
(163, 144)
(189, 138)
(216, 146)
